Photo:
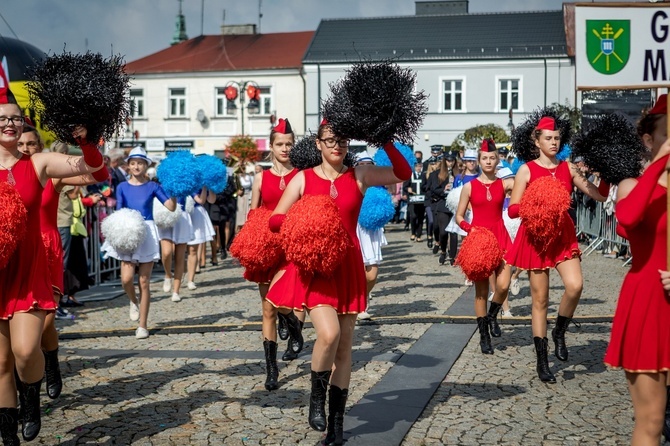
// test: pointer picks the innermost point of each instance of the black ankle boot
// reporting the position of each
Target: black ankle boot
(52, 373)
(337, 401)
(292, 348)
(484, 336)
(282, 327)
(666, 424)
(492, 317)
(317, 400)
(29, 395)
(295, 331)
(558, 335)
(542, 350)
(271, 365)
(9, 426)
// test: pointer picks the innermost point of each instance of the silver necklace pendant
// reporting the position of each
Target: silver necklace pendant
(282, 183)
(10, 178)
(333, 190)
(488, 194)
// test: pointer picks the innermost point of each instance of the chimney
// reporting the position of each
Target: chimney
(228, 30)
(441, 7)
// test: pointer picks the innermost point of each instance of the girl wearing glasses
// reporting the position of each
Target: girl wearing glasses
(332, 303)
(27, 294)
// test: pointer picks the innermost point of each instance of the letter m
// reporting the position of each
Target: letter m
(654, 66)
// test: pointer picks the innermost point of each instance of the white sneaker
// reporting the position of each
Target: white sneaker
(141, 333)
(514, 287)
(491, 296)
(191, 286)
(506, 314)
(175, 297)
(167, 285)
(134, 312)
(364, 316)
(468, 282)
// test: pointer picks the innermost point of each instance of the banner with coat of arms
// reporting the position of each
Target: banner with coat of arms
(624, 45)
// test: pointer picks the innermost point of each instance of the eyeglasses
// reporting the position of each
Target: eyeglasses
(16, 120)
(332, 142)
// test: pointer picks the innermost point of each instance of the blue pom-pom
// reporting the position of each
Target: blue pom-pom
(214, 173)
(377, 208)
(382, 159)
(564, 153)
(516, 164)
(179, 174)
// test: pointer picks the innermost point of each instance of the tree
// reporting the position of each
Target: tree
(473, 136)
(573, 114)
(243, 149)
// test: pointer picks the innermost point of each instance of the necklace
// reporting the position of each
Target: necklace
(552, 170)
(489, 197)
(282, 183)
(333, 189)
(10, 176)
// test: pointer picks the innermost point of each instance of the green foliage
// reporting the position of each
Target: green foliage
(243, 149)
(473, 136)
(573, 114)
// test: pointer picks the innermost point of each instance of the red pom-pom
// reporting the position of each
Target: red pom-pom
(542, 209)
(480, 254)
(13, 219)
(256, 247)
(314, 237)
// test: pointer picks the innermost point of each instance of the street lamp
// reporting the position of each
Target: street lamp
(253, 92)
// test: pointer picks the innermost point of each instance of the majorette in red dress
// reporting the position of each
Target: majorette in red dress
(51, 236)
(346, 289)
(565, 247)
(488, 213)
(24, 286)
(640, 340)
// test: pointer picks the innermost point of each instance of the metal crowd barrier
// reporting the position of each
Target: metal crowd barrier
(599, 225)
(99, 270)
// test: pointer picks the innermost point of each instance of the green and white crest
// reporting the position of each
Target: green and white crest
(608, 44)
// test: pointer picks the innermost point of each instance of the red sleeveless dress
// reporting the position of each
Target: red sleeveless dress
(522, 254)
(488, 213)
(24, 286)
(640, 340)
(270, 195)
(51, 236)
(345, 290)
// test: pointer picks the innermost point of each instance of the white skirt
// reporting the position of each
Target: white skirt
(147, 252)
(181, 232)
(453, 227)
(203, 230)
(371, 244)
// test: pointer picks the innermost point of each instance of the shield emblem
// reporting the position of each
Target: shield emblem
(608, 45)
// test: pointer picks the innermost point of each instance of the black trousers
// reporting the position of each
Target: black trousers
(429, 222)
(448, 240)
(416, 213)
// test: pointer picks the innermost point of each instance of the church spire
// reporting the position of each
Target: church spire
(180, 28)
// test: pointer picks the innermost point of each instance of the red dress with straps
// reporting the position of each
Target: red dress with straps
(271, 193)
(522, 254)
(345, 290)
(51, 236)
(640, 340)
(488, 213)
(24, 286)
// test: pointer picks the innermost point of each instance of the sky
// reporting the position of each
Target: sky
(137, 28)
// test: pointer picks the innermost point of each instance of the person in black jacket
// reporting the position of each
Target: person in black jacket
(430, 166)
(439, 184)
(412, 188)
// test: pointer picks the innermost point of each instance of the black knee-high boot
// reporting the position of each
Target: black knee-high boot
(282, 328)
(29, 395)
(558, 335)
(295, 332)
(271, 365)
(317, 400)
(666, 424)
(492, 317)
(293, 347)
(542, 351)
(52, 373)
(484, 336)
(9, 426)
(337, 401)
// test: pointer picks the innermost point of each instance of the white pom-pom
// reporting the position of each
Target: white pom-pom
(512, 224)
(163, 218)
(124, 230)
(189, 205)
(453, 197)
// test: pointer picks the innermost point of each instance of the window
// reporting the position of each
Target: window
(452, 91)
(177, 103)
(224, 107)
(137, 102)
(266, 101)
(509, 94)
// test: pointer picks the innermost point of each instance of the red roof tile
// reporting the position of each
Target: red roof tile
(227, 53)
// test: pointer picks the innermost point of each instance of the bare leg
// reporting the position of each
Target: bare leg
(26, 334)
(371, 273)
(192, 261)
(127, 280)
(145, 275)
(342, 374)
(571, 274)
(49, 333)
(202, 250)
(481, 296)
(7, 384)
(539, 291)
(214, 244)
(166, 257)
(327, 326)
(648, 392)
(179, 264)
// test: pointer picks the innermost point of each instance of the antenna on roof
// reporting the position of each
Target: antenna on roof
(202, 17)
(260, 15)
